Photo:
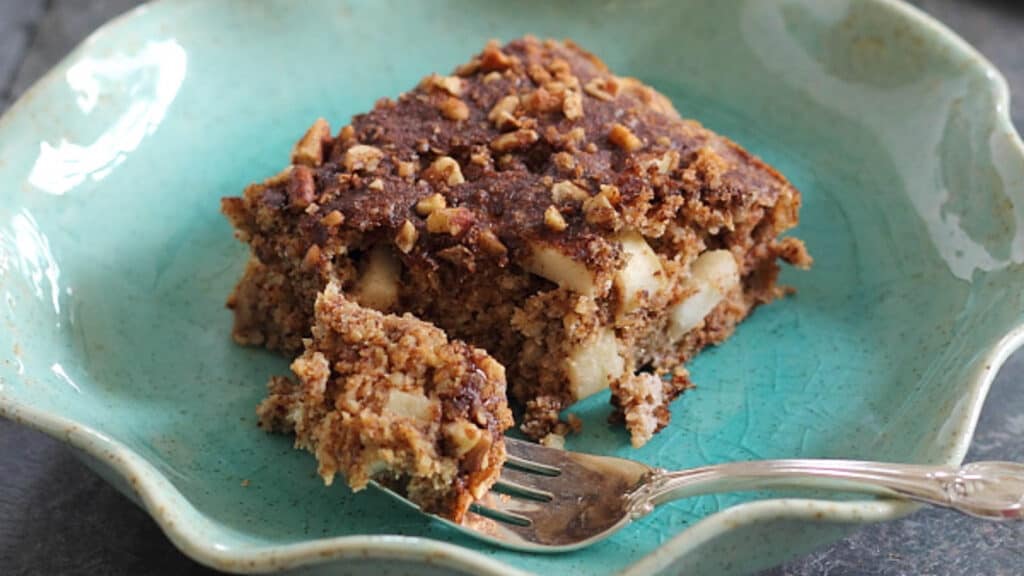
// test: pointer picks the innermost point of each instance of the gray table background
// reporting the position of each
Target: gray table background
(57, 517)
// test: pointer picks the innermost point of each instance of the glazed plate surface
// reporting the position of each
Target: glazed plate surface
(115, 262)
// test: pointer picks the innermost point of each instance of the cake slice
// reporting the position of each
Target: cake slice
(537, 206)
(390, 398)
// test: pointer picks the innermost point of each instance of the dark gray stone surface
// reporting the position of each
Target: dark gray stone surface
(57, 517)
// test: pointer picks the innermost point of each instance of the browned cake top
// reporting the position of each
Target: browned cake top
(533, 141)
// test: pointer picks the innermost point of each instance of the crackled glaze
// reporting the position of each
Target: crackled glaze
(114, 261)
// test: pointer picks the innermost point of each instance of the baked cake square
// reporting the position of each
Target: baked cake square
(532, 204)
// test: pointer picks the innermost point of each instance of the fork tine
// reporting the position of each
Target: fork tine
(512, 484)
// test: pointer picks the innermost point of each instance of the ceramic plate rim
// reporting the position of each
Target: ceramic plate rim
(160, 499)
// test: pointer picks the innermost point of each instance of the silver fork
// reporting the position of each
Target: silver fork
(550, 500)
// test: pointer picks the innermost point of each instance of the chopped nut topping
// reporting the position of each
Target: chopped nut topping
(377, 185)
(309, 150)
(449, 84)
(572, 105)
(430, 204)
(598, 210)
(312, 208)
(624, 138)
(460, 256)
(564, 161)
(566, 191)
(493, 58)
(347, 135)
(538, 74)
(540, 101)
(362, 157)
(468, 68)
(312, 257)
(663, 141)
(603, 88)
(406, 237)
(445, 169)
(663, 164)
(407, 169)
(454, 109)
(491, 244)
(553, 219)
(333, 218)
(576, 136)
(514, 140)
(301, 189)
(492, 77)
(480, 157)
(611, 193)
(560, 68)
(280, 178)
(503, 113)
(451, 221)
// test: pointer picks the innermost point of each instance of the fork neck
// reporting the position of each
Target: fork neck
(926, 483)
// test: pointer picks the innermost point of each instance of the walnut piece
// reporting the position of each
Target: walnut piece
(333, 218)
(603, 88)
(491, 244)
(309, 150)
(598, 210)
(503, 113)
(281, 177)
(663, 164)
(312, 257)
(407, 169)
(624, 138)
(451, 221)
(301, 189)
(493, 58)
(553, 219)
(362, 157)
(449, 84)
(540, 101)
(406, 237)
(454, 109)
(564, 161)
(566, 191)
(572, 105)
(514, 140)
(445, 169)
(430, 204)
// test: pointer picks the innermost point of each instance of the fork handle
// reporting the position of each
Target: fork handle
(992, 490)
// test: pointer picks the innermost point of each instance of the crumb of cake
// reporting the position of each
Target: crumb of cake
(533, 204)
(553, 440)
(642, 399)
(392, 399)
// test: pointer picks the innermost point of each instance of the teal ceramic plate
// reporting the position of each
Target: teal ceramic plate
(114, 261)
